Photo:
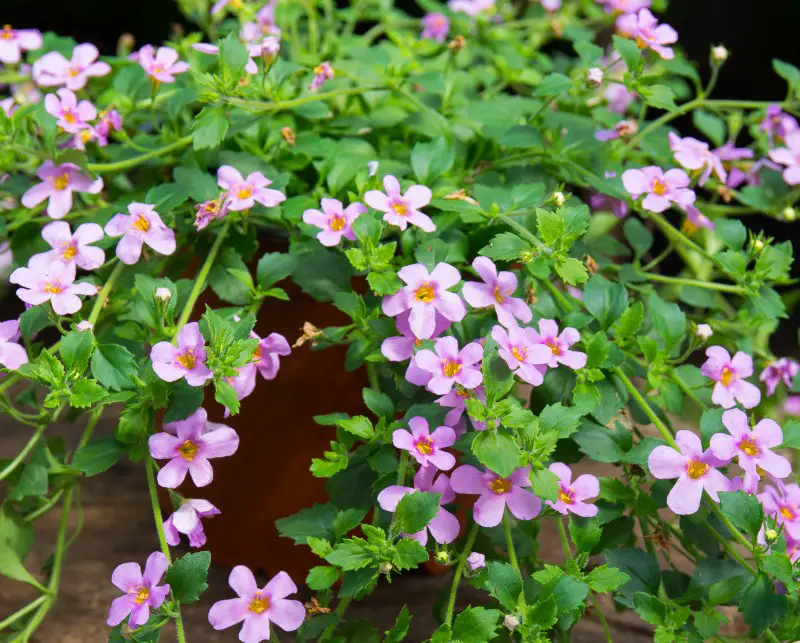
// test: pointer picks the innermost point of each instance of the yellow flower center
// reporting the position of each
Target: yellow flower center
(142, 223)
(319, 70)
(53, 288)
(499, 295)
(640, 43)
(69, 252)
(142, 594)
(696, 469)
(521, 355)
(69, 116)
(400, 209)
(86, 135)
(188, 450)
(258, 604)
(500, 485)
(337, 223)
(257, 354)
(689, 227)
(727, 376)
(158, 69)
(245, 192)
(749, 447)
(187, 360)
(659, 187)
(451, 368)
(236, 4)
(464, 394)
(425, 293)
(565, 497)
(553, 346)
(417, 343)
(61, 182)
(425, 446)
(74, 71)
(787, 513)
(7, 33)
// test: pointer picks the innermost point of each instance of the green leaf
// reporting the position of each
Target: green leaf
(415, 510)
(399, 630)
(572, 271)
(563, 419)
(712, 126)
(743, 510)
(225, 277)
(322, 273)
(199, 185)
(553, 84)
(32, 321)
(627, 48)
(113, 366)
(76, 348)
(225, 394)
(498, 451)
(322, 577)
(379, 403)
(630, 321)
(606, 301)
(650, 608)
(596, 442)
(185, 401)
(98, 455)
(497, 378)
(605, 579)
(430, 160)
(15, 541)
(731, 231)
(409, 554)
(209, 128)
(640, 238)
(187, 576)
(476, 625)
(85, 392)
(346, 521)
(788, 72)
(668, 320)
(311, 522)
(504, 583)
(384, 283)
(585, 533)
(233, 55)
(545, 484)
(761, 605)
(273, 267)
(659, 96)
(505, 246)
(359, 426)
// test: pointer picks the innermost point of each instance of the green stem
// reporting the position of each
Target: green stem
(401, 469)
(697, 283)
(126, 164)
(602, 617)
(11, 466)
(27, 609)
(44, 508)
(525, 233)
(645, 406)
(276, 106)
(676, 235)
(162, 540)
(341, 608)
(562, 532)
(459, 570)
(104, 293)
(313, 28)
(200, 280)
(687, 390)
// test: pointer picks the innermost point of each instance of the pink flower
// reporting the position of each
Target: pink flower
(444, 526)
(58, 184)
(792, 405)
(8, 106)
(783, 504)
(619, 98)
(268, 352)
(696, 220)
(783, 369)
(253, 50)
(495, 493)
(187, 360)
(551, 5)
(72, 116)
(476, 561)
(456, 401)
(624, 6)
(435, 26)
(729, 374)
(426, 448)
(108, 120)
(264, 25)
(142, 591)
(603, 202)
(334, 221)
(402, 209)
(186, 520)
(401, 348)
(648, 34)
(450, 366)
(322, 72)
(571, 495)
(594, 76)
(751, 446)
(496, 290)
(14, 41)
(694, 469)
(243, 383)
(470, 7)
(142, 225)
(83, 137)
(623, 129)
(74, 248)
(258, 607)
(424, 295)
(195, 441)
(12, 355)
(53, 69)
(790, 157)
(244, 193)
(522, 352)
(44, 280)
(662, 188)
(777, 124)
(162, 67)
(696, 155)
(212, 210)
(559, 344)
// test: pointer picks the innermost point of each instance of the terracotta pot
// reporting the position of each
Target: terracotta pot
(268, 477)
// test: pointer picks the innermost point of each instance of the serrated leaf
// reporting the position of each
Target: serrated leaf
(187, 576)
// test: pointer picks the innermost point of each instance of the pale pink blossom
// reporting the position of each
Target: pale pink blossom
(450, 366)
(187, 520)
(335, 221)
(402, 208)
(14, 41)
(696, 155)
(74, 247)
(161, 65)
(643, 27)
(496, 290)
(72, 115)
(729, 374)
(244, 193)
(573, 494)
(58, 184)
(782, 370)
(142, 225)
(559, 344)
(426, 447)
(662, 188)
(496, 493)
(52, 69)
(45, 280)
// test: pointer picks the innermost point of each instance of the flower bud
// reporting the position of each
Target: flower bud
(789, 214)
(385, 567)
(558, 198)
(270, 47)
(457, 44)
(442, 557)
(770, 535)
(84, 326)
(476, 561)
(163, 295)
(372, 166)
(704, 331)
(511, 622)
(288, 135)
(758, 245)
(594, 76)
(719, 54)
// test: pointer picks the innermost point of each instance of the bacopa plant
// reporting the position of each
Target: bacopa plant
(540, 272)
